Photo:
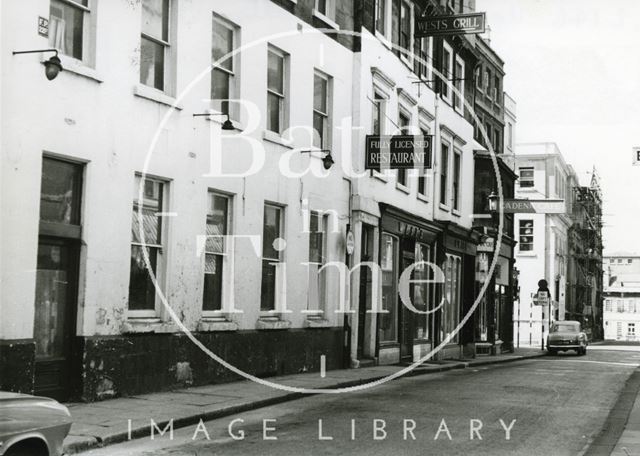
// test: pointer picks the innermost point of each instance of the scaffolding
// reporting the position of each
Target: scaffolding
(585, 257)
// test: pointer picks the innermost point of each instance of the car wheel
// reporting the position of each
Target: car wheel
(29, 447)
(552, 351)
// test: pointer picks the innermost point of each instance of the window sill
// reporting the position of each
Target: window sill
(208, 324)
(148, 325)
(78, 68)
(317, 323)
(422, 197)
(149, 93)
(403, 188)
(527, 254)
(380, 176)
(275, 138)
(527, 189)
(455, 212)
(444, 207)
(327, 20)
(272, 324)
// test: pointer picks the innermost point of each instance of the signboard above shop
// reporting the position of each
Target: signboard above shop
(398, 152)
(526, 206)
(458, 24)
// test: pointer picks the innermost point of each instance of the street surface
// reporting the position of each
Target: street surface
(559, 403)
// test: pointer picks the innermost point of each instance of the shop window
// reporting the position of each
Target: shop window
(317, 259)
(216, 255)
(451, 309)
(526, 236)
(389, 266)
(146, 217)
(68, 27)
(276, 90)
(155, 43)
(272, 231)
(224, 74)
(421, 292)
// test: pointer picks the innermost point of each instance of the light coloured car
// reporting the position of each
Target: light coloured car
(32, 425)
(567, 335)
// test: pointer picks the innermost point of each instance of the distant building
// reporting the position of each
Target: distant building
(621, 296)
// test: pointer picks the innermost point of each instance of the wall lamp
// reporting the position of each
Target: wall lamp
(52, 67)
(226, 125)
(327, 160)
(493, 202)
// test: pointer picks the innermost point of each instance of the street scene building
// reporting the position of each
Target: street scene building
(318, 226)
(621, 296)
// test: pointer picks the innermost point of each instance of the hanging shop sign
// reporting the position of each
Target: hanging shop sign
(458, 24)
(398, 152)
(522, 206)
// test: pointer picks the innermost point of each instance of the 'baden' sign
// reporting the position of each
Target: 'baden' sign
(525, 206)
(450, 25)
(398, 152)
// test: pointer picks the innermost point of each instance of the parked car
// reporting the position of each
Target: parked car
(567, 335)
(32, 425)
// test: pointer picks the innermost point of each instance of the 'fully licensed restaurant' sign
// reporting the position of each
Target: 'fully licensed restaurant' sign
(398, 152)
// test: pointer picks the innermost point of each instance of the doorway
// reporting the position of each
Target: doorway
(366, 241)
(405, 315)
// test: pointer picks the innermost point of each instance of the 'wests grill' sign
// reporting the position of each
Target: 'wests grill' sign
(398, 152)
(450, 25)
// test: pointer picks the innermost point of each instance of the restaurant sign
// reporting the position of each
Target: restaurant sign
(458, 24)
(398, 152)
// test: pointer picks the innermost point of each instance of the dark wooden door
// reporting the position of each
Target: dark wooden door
(405, 315)
(55, 316)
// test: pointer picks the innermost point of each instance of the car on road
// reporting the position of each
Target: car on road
(32, 425)
(567, 335)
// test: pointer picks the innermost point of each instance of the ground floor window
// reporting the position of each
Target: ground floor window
(631, 331)
(389, 266)
(452, 268)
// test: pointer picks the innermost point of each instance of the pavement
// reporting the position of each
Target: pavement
(108, 422)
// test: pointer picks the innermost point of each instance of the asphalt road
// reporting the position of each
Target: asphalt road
(551, 406)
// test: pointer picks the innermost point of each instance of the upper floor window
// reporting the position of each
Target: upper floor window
(68, 27)
(444, 171)
(405, 25)
(378, 114)
(224, 80)
(455, 188)
(276, 90)
(496, 89)
(154, 44)
(447, 71)
(510, 135)
(381, 19)
(404, 122)
(458, 78)
(526, 236)
(526, 177)
(327, 8)
(422, 177)
(321, 111)
(423, 49)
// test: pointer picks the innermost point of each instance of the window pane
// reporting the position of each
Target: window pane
(268, 288)
(319, 127)
(222, 45)
(456, 180)
(316, 239)
(421, 292)
(152, 64)
(320, 94)
(212, 299)
(271, 231)
(220, 90)
(151, 205)
(380, 15)
(321, 6)
(141, 288)
(66, 28)
(155, 15)
(217, 223)
(444, 164)
(275, 73)
(59, 192)
(274, 103)
(405, 25)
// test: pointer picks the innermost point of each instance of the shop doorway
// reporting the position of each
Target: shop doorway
(364, 319)
(405, 315)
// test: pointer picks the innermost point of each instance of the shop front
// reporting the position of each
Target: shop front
(407, 242)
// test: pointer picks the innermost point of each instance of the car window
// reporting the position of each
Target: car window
(565, 327)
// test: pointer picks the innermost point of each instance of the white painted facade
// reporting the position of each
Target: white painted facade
(621, 296)
(547, 257)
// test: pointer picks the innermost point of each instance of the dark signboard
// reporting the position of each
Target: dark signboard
(450, 25)
(398, 152)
